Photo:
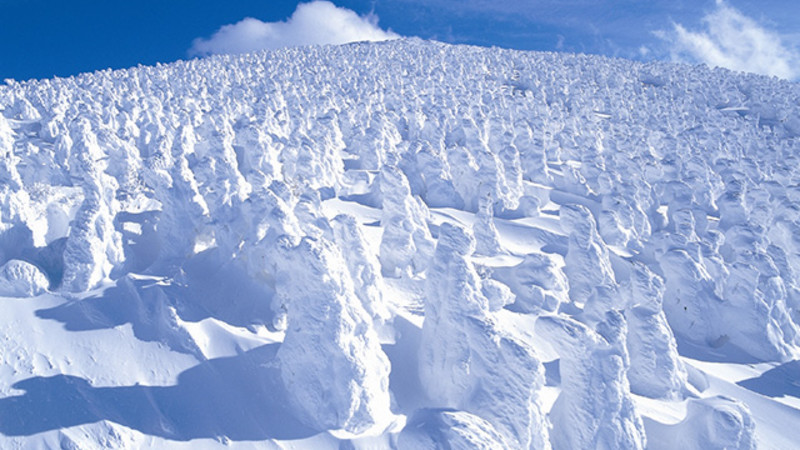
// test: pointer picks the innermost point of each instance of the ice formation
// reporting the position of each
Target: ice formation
(465, 362)
(596, 393)
(405, 244)
(331, 362)
(656, 369)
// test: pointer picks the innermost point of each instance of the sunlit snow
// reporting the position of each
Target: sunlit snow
(400, 245)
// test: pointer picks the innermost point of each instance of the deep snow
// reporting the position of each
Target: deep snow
(400, 245)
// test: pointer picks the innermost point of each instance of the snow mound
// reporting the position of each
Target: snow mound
(450, 429)
(537, 282)
(711, 423)
(21, 279)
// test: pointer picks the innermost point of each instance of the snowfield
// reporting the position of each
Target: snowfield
(404, 245)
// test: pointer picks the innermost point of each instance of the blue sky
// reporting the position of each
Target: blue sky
(43, 38)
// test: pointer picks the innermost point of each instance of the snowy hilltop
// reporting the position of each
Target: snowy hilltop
(404, 245)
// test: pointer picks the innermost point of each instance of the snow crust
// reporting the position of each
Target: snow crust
(400, 245)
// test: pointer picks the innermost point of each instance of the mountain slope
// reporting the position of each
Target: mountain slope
(405, 244)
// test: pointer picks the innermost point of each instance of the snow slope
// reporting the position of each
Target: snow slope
(400, 245)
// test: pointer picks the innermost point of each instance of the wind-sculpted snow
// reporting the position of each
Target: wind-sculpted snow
(655, 370)
(390, 222)
(712, 423)
(595, 387)
(331, 362)
(21, 279)
(465, 362)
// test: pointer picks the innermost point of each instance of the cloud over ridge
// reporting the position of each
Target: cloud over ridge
(318, 22)
(734, 41)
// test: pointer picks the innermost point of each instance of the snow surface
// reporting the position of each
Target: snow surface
(400, 245)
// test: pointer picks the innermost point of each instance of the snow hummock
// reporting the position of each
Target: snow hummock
(403, 244)
(21, 279)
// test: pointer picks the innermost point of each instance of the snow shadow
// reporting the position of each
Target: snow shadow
(17, 243)
(209, 287)
(142, 303)
(214, 286)
(239, 397)
(779, 381)
(723, 352)
(142, 247)
(404, 379)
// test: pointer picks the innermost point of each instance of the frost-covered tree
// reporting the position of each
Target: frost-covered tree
(486, 236)
(656, 370)
(363, 266)
(406, 245)
(595, 408)
(331, 362)
(587, 265)
(466, 362)
(93, 247)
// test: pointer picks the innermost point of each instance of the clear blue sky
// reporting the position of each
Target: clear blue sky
(43, 38)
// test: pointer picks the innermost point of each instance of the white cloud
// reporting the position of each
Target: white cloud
(732, 40)
(318, 22)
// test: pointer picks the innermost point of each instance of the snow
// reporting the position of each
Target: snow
(21, 279)
(400, 245)
(331, 363)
